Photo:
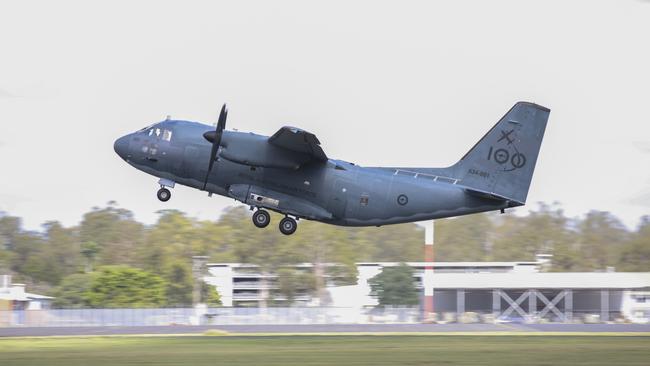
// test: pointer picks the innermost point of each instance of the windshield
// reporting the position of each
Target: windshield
(144, 129)
(158, 131)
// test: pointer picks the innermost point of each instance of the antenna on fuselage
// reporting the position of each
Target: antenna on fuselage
(168, 118)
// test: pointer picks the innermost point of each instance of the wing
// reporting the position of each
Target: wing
(298, 140)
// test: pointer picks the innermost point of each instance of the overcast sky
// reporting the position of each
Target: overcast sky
(398, 83)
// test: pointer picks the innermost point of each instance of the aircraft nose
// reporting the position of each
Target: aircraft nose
(121, 146)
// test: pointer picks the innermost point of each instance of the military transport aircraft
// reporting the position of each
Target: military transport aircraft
(289, 173)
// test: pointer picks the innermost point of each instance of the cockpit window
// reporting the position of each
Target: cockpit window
(167, 135)
(146, 128)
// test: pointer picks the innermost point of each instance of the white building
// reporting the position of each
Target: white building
(14, 297)
(504, 290)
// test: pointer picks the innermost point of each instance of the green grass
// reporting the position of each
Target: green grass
(327, 350)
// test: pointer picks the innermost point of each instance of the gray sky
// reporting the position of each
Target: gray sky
(380, 83)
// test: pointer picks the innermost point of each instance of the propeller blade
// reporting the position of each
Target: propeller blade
(215, 138)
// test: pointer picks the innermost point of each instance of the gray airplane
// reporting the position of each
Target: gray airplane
(289, 173)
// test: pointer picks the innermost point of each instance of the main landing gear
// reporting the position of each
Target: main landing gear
(288, 226)
(261, 219)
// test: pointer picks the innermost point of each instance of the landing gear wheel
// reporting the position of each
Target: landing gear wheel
(261, 218)
(288, 226)
(164, 194)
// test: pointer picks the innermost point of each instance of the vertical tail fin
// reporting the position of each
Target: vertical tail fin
(503, 161)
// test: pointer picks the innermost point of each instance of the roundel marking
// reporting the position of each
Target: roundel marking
(402, 199)
(501, 156)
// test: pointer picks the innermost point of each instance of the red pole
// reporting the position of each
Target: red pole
(427, 280)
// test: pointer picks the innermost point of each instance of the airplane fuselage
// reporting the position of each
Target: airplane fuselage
(289, 172)
(335, 191)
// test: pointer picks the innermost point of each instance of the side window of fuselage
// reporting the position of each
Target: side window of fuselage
(167, 135)
(363, 201)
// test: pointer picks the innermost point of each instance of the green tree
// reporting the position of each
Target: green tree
(395, 286)
(28, 257)
(520, 238)
(635, 255)
(391, 243)
(171, 238)
(9, 229)
(124, 286)
(292, 282)
(179, 284)
(210, 295)
(89, 251)
(602, 236)
(465, 238)
(116, 233)
(61, 252)
(73, 291)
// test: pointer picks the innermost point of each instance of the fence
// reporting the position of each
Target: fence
(204, 316)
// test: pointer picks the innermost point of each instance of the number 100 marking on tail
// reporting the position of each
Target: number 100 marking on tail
(502, 156)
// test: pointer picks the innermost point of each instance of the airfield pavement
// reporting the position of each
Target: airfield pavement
(324, 329)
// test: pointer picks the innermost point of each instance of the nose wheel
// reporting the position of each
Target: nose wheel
(288, 226)
(261, 218)
(164, 194)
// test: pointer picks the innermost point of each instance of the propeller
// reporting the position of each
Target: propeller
(215, 138)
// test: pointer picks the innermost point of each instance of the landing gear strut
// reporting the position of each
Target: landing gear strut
(164, 194)
(261, 218)
(288, 226)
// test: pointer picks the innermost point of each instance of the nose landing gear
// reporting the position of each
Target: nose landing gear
(164, 194)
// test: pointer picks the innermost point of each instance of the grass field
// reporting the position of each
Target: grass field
(327, 350)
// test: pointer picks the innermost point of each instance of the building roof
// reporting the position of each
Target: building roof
(391, 264)
(26, 296)
(543, 280)
(16, 292)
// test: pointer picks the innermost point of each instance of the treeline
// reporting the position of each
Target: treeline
(81, 260)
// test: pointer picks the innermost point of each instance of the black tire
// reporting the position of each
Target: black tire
(288, 226)
(164, 194)
(261, 218)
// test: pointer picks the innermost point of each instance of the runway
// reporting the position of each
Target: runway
(340, 328)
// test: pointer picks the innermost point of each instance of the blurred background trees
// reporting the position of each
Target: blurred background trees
(67, 262)
(394, 286)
